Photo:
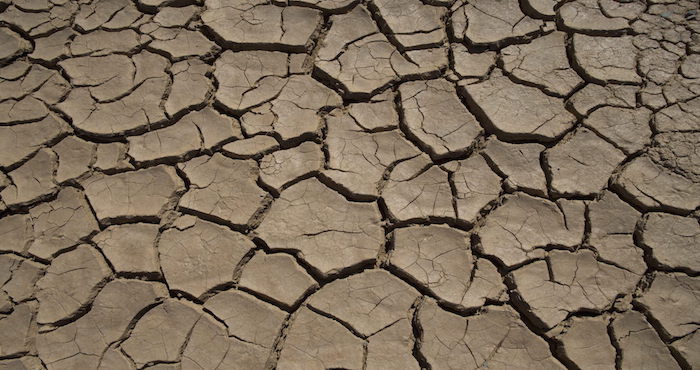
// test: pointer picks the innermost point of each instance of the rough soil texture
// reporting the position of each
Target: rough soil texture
(349, 184)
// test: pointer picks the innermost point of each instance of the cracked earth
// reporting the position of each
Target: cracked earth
(349, 184)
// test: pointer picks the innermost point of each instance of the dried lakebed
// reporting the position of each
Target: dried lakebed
(349, 184)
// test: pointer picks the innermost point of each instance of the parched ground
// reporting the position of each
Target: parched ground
(349, 184)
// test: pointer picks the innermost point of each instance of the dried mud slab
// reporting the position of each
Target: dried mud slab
(316, 342)
(18, 330)
(247, 318)
(523, 226)
(440, 259)
(358, 159)
(283, 167)
(82, 343)
(486, 22)
(286, 28)
(585, 343)
(70, 283)
(12, 44)
(276, 276)
(209, 347)
(362, 60)
(367, 302)
(655, 187)
(197, 255)
(330, 232)
(673, 240)
(519, 164)
(495, 337)
(530, 115)
(161, 332)
(223, 188)
(613, 224)
(19, 142)
(294, 111)
(475, 186)
(667, 300)
(639, 343)
(628, 129)
(136, 194)
(569, 282)
(607, 59)
(544, 63)
(392, 348)
(130, 248)
(417, 190)
(435, 116)
(32, 181)
(581, 165)
(590, 16)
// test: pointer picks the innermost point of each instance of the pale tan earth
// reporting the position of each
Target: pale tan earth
(349, 184)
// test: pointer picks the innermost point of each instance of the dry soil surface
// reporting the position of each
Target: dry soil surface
(349, 184)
